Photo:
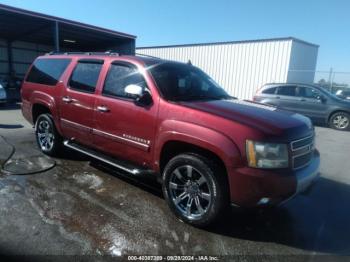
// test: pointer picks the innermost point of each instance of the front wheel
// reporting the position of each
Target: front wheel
(340, 121)
(47, 137)
(194, 189)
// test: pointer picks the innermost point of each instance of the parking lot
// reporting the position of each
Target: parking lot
(70, 205)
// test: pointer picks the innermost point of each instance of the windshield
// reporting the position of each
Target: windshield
(182, 82)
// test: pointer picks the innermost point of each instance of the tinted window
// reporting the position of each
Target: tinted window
(85, 76)
(179, 82)
(120, 76)
(47, 71)
(270, 91)
(309, 92)
(286, 90)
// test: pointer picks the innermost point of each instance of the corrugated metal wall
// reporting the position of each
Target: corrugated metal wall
(241, 68)
(3, 59)
(23, 54)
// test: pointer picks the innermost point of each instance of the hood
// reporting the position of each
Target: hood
(267, 119)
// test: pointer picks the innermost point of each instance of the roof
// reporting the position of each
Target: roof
(234, 42)
(144, 59)
(19, 11)
(22, 25)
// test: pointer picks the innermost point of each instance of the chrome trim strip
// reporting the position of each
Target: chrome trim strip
(310, 151)
(295, 141)
(99, 132)
(76, 125)
(131, 171)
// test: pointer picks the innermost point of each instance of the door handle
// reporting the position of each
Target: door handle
(67, 99)
(302, 99)
(277, 97)
(103, 109)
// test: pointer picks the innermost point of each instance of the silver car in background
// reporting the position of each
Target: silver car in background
(3, 95)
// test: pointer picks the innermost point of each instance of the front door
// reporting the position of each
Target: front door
(78, 99)
(311, 104)
(122, 128)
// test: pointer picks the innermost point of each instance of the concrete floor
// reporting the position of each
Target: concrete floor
(77, 207)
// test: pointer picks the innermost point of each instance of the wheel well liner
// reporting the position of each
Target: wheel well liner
(172, 148)
(39, 109)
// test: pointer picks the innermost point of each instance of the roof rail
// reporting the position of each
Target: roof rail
(108, 53)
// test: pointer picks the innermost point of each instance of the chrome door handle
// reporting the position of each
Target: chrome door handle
(67, 99)
(103, 109)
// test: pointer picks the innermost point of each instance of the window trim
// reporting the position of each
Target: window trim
(85, 61)
(127, 64)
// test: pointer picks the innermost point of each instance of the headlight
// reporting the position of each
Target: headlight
(1, 87)
(267, 155)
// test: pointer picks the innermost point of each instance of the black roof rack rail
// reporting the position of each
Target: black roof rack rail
(108, 53)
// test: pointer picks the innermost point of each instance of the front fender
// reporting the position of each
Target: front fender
(204, 137)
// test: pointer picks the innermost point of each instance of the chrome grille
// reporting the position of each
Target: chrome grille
(302, 151)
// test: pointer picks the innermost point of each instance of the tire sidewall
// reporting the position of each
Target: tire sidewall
(57, 139)
(209, 173)
(337, 114)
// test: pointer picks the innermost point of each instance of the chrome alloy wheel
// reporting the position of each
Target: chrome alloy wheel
(190, 191)
(341, 122)
(45, 135)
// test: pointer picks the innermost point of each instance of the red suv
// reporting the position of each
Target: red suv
(152, 117)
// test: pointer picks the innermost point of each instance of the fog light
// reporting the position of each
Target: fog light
(264, 201)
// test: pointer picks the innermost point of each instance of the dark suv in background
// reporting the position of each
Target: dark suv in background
(313, 101)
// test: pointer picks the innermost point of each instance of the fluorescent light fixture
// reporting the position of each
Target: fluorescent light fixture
(69, 41)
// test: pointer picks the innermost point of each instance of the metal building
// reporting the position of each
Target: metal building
(241, 67)
(24, 35)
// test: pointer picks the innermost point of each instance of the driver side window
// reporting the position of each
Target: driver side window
(120, 76)
(309, 92)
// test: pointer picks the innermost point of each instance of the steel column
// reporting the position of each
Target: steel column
(9, 56)
(57, 37)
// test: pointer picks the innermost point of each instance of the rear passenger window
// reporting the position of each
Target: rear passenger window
(85, 75)
(286, 90)
(119, 77)
(269, 91)
(47, 71)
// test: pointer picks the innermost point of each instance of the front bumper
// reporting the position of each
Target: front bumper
(250, 187)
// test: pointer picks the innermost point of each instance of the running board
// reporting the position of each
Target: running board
(129, 168)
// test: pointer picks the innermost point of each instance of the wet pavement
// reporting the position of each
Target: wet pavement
(72, 206)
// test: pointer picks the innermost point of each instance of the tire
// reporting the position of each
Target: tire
(47, 137)
(204, 191)
(340, 121)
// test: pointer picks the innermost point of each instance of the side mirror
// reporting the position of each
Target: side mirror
(322, 98)
(133, 91)
(142, 97)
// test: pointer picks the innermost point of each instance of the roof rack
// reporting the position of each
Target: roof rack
(108, 53)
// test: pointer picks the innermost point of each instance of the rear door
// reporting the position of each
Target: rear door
(78, 100)
(122, 128)
(287, 97)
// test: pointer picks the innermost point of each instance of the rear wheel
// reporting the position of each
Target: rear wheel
(47, 137)
(340, 121)
(194, 189)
